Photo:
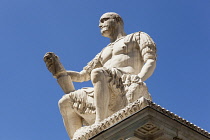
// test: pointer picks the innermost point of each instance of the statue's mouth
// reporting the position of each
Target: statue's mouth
(104, 28)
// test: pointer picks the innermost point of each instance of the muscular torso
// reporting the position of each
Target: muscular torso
(125, 57)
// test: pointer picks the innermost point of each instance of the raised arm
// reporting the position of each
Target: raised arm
(148, 53)
(84, 75)
(65, 78)
(58, 71)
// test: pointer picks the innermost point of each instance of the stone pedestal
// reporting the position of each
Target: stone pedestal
(151, 124)
(144, 120)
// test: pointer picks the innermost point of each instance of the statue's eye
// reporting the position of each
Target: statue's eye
(104, 19)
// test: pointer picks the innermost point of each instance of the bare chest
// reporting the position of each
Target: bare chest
(116, 48)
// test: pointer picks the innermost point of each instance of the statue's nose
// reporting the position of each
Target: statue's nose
(99, 25)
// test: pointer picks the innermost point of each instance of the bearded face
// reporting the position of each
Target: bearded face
(107, 25)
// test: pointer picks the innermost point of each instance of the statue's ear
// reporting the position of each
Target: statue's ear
(118, 19)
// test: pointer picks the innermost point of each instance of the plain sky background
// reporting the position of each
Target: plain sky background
(30, 28)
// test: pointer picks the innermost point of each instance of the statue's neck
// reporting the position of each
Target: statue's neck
(117, 34)
(116, 38)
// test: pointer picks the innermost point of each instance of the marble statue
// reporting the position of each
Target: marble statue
(117, 73)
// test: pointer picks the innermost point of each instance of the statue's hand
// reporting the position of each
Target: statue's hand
(131, 83)
(136, 79)
(53, 64)
(128, 79)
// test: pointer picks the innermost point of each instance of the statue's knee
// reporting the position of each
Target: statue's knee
(97, 75)
(64, 101)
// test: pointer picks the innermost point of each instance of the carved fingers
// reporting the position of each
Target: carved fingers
(128, 79)
(53, 64)
(49, 61)
(136, 79)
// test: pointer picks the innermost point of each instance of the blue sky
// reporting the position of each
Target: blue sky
(30, 28)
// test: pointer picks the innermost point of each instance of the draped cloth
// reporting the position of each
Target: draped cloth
(122, 89)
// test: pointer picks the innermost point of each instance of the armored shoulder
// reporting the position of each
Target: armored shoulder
(94, 63)
(147, 45)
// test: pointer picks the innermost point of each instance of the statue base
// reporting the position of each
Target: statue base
(142, 120)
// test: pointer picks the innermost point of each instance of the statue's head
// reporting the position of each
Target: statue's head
(109, 23)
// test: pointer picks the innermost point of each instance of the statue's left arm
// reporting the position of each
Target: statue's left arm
(148, 54)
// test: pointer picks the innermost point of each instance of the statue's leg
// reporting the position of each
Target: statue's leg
(101, 93)
(71, 119)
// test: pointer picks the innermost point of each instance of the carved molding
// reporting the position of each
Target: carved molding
(148, 129)
(87, 132)
(179, 119)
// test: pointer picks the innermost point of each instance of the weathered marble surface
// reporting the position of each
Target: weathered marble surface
(87, 132)
(117, 72)
(146, 120)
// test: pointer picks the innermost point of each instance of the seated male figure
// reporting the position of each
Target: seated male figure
(118, 73)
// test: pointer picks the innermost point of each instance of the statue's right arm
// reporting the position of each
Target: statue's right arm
(79, 76)
(84, 75)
